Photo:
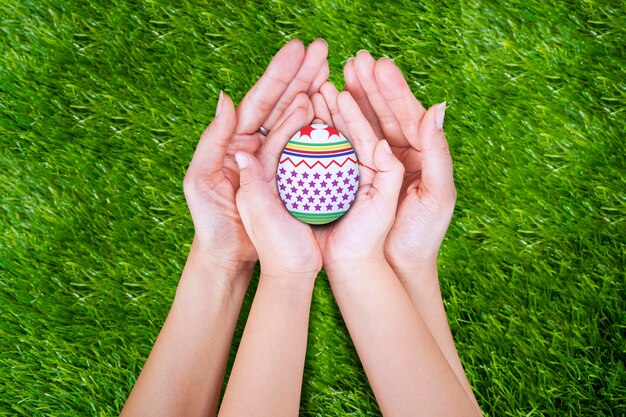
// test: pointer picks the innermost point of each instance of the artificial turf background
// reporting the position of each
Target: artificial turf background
(102, 103)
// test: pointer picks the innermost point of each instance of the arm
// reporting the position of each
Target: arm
(428, 194)
(407, 371)
(267, 375)
(183, 374)
(189, 357)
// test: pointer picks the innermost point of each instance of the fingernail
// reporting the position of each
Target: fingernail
(362, 50)
(350, 59)
(440, 113)
(386, 146)
(220, 101)
(242, 160)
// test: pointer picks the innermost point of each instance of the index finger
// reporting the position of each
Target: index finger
(314, 61)
(364, 65)
(353, 85)
(257, 105)
(400, 99)
(362, 134)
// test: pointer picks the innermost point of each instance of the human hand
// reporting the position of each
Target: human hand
(416, 137)
(358, 236)
(212, 178)
(428, 194)
(286, 246)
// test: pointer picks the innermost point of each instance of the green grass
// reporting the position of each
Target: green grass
(102, 104)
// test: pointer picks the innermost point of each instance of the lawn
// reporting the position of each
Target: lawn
(101, 106)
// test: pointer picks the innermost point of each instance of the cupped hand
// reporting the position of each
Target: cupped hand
(359, 235)
(416, 137)
(212, 178)
(286, 246)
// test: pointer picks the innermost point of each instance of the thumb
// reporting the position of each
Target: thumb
(211, 149)
(436, 160)
(389, 173)
(254, 192)
(250, 171)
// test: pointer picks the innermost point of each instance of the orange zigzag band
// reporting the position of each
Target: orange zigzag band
(340, 165)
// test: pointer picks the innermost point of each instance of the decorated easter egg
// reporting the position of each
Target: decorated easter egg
(318, 174)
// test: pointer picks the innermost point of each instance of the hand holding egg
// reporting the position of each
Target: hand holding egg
(285, 245)
(360, 234)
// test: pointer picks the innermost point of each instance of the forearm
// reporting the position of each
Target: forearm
(406, 369)
(266, 379)
(184, 372)
(422, 287)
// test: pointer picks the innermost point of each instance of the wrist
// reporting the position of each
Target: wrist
(421, 268)
(356, 270)
(302, 284)
(270, 270)
(205, 274)
(418, 278)
(230, 262)
(410, 260)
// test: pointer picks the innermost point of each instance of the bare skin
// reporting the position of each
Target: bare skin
(427, 195)
(383, 277)
(184, 372)
(408, 372)
(267, 374)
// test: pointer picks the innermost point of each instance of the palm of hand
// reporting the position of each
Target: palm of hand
(427, 194)
(343, 239)
(213, 200)
(284, 244)
(293, 248)
(361, 232)
(212, 179)
(421, 220)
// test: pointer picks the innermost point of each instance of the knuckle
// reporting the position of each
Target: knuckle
(388, 121)
(262, 103)
(453, 194)
(302, 82)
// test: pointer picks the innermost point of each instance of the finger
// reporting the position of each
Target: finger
(353, 85)
(388, 179)
(362, 134)
(437, 177)
(320, 109)
(330, 93)
(271, 150)
(254, 197)
(364, 66)
(209, 154)
(314, 59)
(400, 99)
(301, 100)
(257, 105)
(321, 78)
